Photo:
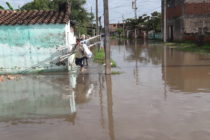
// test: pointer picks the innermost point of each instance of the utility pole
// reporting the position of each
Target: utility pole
(123, 25)
(165, 22)
(100, 25)
(92, 25)
(97, 30)
(106, 39)
(134, 6)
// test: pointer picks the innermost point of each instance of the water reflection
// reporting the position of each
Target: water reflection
(110, 107)
(186, 72)
(143, 52)
(44, 96)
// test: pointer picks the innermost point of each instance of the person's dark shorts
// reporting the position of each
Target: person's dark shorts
(79, 62)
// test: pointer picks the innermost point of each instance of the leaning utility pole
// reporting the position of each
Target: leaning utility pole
(106, 39)
(164, 20)
(97, 29)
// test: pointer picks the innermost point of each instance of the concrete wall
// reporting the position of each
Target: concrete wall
(25, 46)
(175, 20)
(193, 24)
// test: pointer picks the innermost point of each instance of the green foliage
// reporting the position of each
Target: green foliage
(146, 22)
(116, 72)
(99, 57)
(119, 31)
(190, 46)
(78, 13)
(113, 64)
(9, 6)
(1, 7)
(37, 5)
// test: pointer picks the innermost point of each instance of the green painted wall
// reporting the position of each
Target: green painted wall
(24, 46)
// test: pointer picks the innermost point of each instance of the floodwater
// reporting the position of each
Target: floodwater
(162, 94)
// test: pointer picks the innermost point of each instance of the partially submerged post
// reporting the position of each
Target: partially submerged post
(106, 39)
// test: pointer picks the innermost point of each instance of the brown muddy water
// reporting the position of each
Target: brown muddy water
(162, 94)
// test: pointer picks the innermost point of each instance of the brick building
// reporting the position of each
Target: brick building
(188, 19)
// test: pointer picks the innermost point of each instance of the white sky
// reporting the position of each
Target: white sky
(118, 8)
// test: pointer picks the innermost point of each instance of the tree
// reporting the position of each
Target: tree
(155, 21)
(119, 31)
(145, 22)
(37, 5)
(1, 7)
(78, 14)
(8, 5)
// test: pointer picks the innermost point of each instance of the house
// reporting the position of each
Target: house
(31, 40)
(188, 20)
(114, 27)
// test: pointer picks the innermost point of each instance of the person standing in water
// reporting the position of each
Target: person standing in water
(79, 55)
(84, 43)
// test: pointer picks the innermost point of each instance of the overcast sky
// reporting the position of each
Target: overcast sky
(118, 8)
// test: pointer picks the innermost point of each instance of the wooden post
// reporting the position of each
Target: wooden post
(97, 30)
(134, 6)
(123, 26)
(165, 22)
(110, 107)
(106, 40)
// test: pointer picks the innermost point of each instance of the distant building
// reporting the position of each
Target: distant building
(30, 39)
(114, 28)
(188, 19)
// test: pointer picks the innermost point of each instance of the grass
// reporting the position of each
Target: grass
(116, 72)
(99, 57)
(121, 38)
(190, 46)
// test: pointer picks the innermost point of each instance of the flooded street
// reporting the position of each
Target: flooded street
(162, 94)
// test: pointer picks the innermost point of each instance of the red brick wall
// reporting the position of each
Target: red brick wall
(197, 8)
(174, 12)
(189, 9)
